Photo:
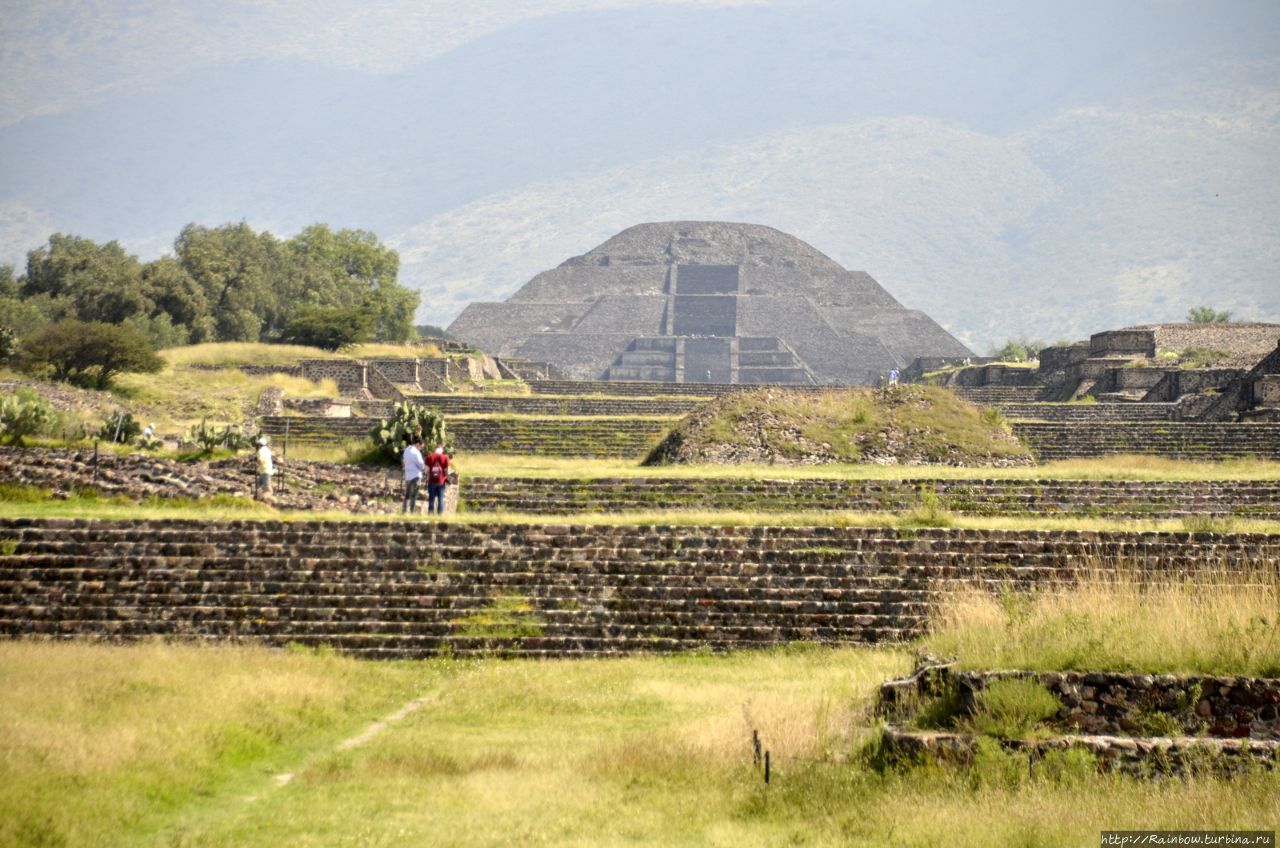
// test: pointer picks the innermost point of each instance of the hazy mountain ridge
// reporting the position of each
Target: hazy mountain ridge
(1004, 181)
(904, 198)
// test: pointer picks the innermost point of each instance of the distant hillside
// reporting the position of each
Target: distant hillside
(1010, 168)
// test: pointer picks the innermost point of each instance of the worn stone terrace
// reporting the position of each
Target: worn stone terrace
(1095, 498)
(400, 590)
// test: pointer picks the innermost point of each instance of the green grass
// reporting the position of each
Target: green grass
(231, 354)
(101, 742)
(181, 396)
(159, 745)
(917, 423)
(24, 502)
(1121, 467)
(1209, 623)
(1011, 709)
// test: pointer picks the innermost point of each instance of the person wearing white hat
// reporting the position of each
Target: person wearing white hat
(266, 468)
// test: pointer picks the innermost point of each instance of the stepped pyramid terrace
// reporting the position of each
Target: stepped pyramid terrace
(707, 302)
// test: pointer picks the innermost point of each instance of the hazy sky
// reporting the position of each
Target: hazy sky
(995, 164)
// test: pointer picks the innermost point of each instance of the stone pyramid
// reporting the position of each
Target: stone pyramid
(699, 301)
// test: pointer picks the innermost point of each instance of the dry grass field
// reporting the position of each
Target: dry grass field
(186, 745)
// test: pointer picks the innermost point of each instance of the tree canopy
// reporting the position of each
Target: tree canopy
(89, 352)
(226, 283)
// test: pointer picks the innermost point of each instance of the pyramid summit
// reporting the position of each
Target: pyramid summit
(707, 301)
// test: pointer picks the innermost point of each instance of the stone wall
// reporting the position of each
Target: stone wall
(397, 589)
(397, 370)
(1119, 498)
(1142, 724)
(1128, 342)
(382, 387)
(349, 374)
(1175, 439)
(1247, 341)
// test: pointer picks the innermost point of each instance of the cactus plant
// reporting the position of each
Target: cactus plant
(409, 419)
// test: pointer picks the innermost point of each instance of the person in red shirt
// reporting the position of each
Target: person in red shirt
(437, 480)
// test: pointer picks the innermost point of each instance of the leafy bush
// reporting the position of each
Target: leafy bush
(8, 344)
(328, 328)
(120, 427)
(1018, 350)
(1207, 315)
(408, 419)
(1012, 708)
(23, 414)
(89, 352)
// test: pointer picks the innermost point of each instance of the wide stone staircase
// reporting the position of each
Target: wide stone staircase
(998, 395)
(1088, 413)
(397, 590)
(1094, 498)
(1173, 439)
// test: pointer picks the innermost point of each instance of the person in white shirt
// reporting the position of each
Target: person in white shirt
(266, 468)
(414, 465)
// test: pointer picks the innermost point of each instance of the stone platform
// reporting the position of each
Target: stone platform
(407, 590)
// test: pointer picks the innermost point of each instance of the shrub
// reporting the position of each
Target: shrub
(408, 419)
(1012, 708)
(328, 328)
(23, 414)
(929, 512)
(89, 352)
(1018, 350)
(8, 344)
(1201, 357)
(1207, 315)
(120, 427)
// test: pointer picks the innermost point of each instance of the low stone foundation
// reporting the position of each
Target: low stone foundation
(1140, 724)
(1137, 757)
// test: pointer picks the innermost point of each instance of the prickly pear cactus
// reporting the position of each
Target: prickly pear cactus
(391, 435)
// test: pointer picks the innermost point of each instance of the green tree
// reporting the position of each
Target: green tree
(176, 293)
(353, 268)
(328, 328)
(1207, 315)
(89, 352)
(244, 276)
(86, 280)
(431, 331)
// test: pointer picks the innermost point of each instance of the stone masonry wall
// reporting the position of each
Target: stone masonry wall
(1137, 499)
(349, 374)
(412, 589)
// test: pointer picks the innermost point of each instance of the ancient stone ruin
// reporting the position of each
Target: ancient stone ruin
(707, 302)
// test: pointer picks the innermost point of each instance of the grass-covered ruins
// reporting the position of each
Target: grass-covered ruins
(1038, 599)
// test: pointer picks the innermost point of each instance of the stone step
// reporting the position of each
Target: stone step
(978, 497)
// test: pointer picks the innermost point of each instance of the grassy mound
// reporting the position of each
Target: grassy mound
(901, 425)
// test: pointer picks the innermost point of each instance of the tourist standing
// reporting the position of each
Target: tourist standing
(266, 468)
(893, 376)
(437, 480)
(413, 468)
